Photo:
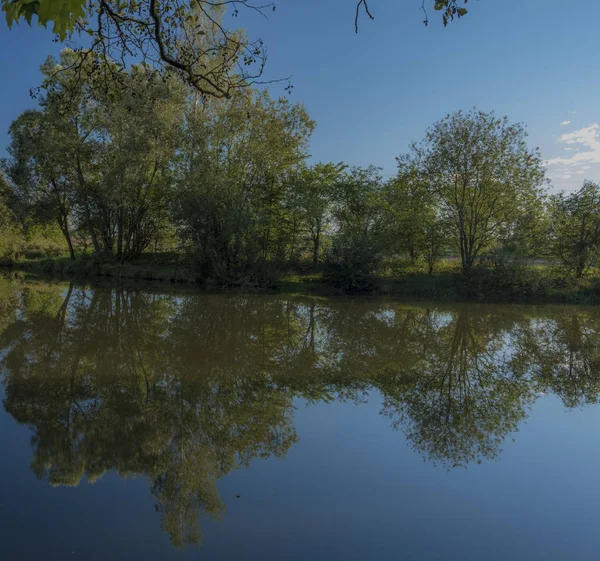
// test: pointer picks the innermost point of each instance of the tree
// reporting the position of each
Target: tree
(418, 227)
(575, 228)
(436, 241)
(139, 133)
(125, 166)
(527, 236)
(361, 230)
(100, 160)
(313, 191)
(43, 183)
(483, 175)
(11, 236)
(237, 157)
(186, 36)
(449, 9)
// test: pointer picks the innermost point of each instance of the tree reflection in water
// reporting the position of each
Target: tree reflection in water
(184, 388)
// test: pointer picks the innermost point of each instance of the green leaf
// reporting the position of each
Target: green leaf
(62, 13)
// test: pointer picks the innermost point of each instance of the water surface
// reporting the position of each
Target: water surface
(139, 424)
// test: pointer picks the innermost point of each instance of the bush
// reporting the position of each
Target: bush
(351, 263)
(504, 277)
(259, 276)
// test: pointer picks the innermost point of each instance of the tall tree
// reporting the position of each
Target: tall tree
(418, 228)
(236, 159)
(139, 131)
(483, 175)
(43, 183)
(361, 226)
(313, 194)
(99, 159)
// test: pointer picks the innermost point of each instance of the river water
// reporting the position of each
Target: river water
(138, 424)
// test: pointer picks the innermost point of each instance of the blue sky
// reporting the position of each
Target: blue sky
(373, 93)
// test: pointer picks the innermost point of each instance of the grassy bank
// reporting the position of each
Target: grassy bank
(508, 283)
(166, 267)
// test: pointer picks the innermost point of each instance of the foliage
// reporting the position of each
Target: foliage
(98, 162)
(61, 13)
(39, 165)
(419, 228)
(528, 234)
(483, 175)
(185, 388)
(361, 231)
(311, 197)
(187, 37)
(122, 170)
(11, 238)
(232, 194)
(575, 228)
(156, 168)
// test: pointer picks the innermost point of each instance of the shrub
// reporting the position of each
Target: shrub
(352, 261)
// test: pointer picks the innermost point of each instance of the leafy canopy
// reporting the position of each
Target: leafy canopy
(187, 36)
(62, 13)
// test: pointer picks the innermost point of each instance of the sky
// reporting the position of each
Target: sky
(374, 92)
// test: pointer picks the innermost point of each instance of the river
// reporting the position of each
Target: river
(143, 424)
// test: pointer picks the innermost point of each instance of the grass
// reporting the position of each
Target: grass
(165, 267)
(515, 283)
(398, 279)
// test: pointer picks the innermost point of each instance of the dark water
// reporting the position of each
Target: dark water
(147, 425)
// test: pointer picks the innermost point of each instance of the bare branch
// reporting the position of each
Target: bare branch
(365, 5)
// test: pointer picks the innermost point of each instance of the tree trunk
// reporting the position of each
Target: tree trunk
(86, 205)
(412, 254)
(466, 256)
(120, 236)
(580, 266)
(316, 244)
(63, 223)
(467, 264)
(63, 220)
(67, 235)
(293, 241)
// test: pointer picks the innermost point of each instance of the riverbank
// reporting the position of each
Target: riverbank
(519, 284)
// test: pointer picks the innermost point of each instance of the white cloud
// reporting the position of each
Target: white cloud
(565, 123)
(587, 138)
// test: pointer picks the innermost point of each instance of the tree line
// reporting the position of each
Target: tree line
(141, 163)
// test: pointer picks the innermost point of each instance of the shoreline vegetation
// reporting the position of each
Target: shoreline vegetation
(524, 282)
(144, 180)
